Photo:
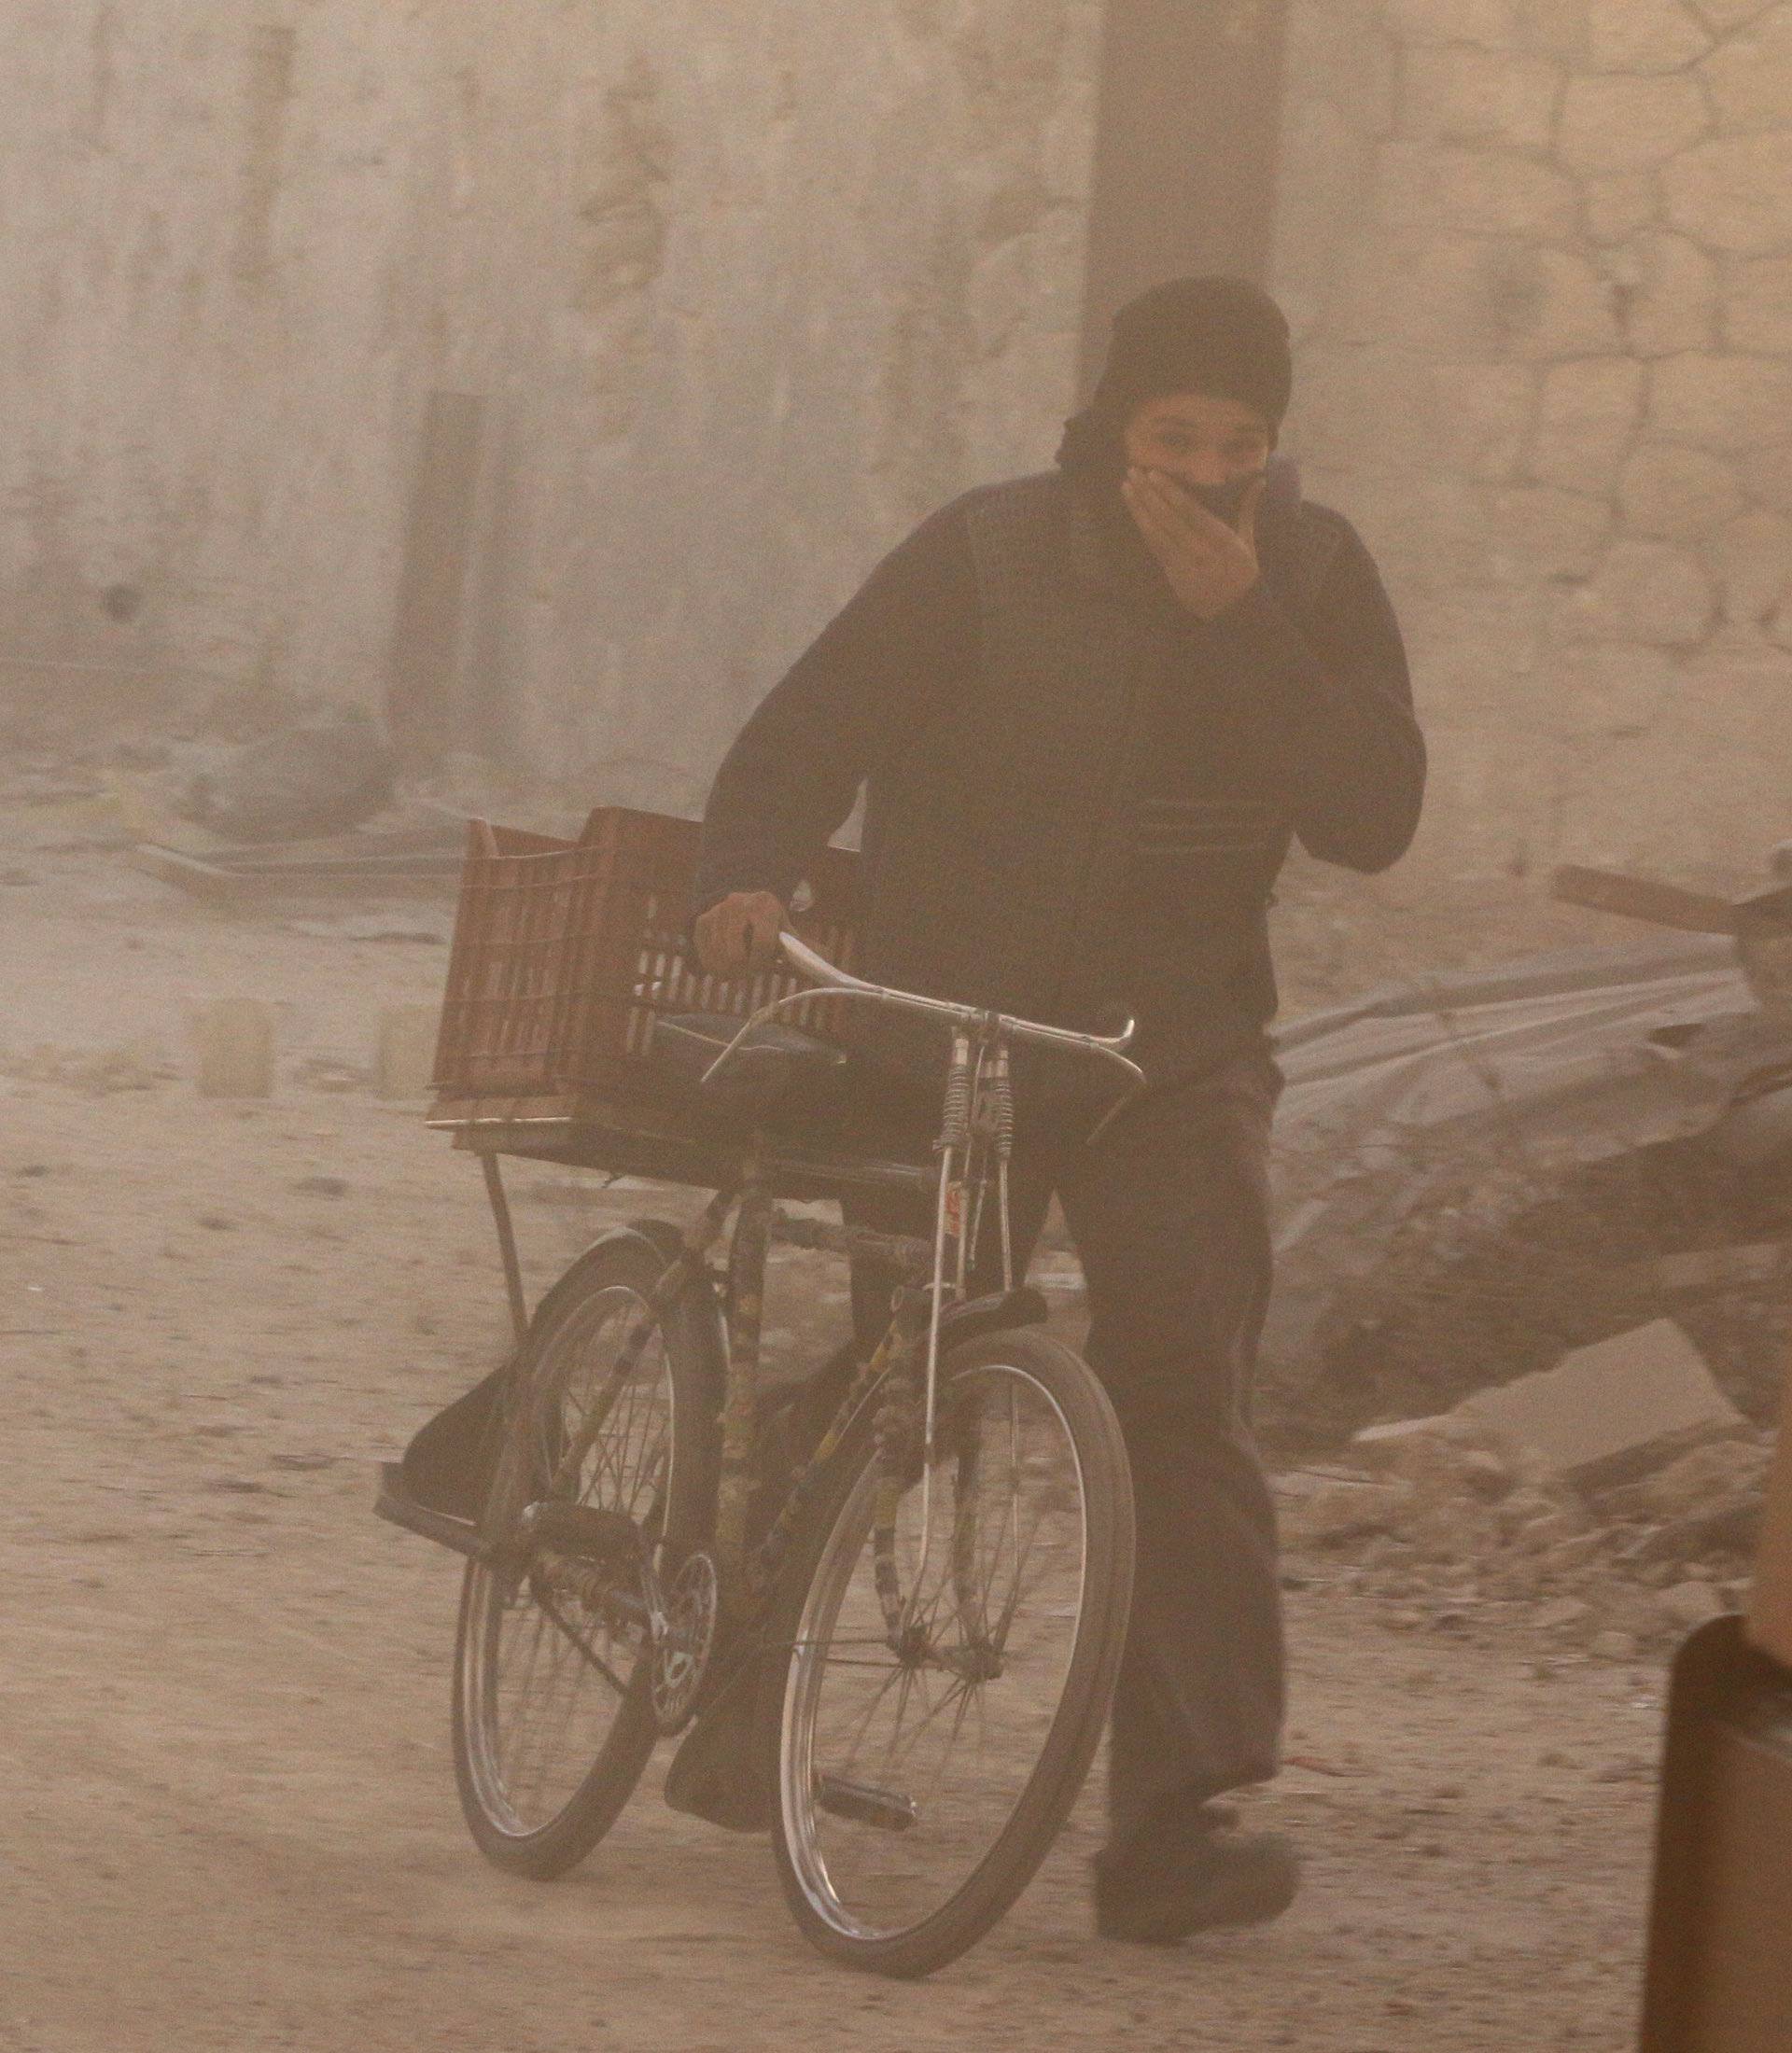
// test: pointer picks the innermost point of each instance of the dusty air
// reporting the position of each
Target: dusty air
(896, 1060)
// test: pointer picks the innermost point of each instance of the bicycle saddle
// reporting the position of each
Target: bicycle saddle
(777, 1070)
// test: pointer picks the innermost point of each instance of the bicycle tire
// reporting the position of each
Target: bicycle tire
(1071, 1389)
(619, 1270)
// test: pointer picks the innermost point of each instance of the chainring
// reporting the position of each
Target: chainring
(681, 1656)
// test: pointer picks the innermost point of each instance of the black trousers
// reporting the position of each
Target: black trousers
(1168, 1213)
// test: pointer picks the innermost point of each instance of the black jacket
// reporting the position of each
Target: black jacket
(1078, 794)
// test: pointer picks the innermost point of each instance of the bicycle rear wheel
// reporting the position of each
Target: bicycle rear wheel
(937, 1694)
(615, 1412)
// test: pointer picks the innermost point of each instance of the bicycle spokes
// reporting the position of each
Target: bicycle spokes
(560, 1615)
(908, 1748)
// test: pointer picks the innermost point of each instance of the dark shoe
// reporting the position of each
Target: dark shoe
(1215, 1879)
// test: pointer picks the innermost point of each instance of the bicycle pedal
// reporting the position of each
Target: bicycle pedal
(883, 1810)
(588, 1531)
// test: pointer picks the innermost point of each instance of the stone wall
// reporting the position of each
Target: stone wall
(1539, 257)
(748, 289)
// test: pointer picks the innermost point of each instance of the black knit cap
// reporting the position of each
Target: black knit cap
(1222, 336)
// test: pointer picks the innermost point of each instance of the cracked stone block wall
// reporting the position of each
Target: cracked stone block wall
(1538, 254)
(748, 289)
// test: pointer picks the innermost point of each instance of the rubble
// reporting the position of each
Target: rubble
(1606, 1531)
(1717, 1473)
(1472, 1177)
(1609, 1407)
(322, 775)
(98, 1072)
(434, 930)
(1340, 1510)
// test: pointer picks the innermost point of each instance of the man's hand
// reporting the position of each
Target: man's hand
(1209, 565)
(738, 935)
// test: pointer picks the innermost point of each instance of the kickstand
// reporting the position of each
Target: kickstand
(507, 1245)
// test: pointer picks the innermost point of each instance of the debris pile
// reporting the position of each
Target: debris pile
(97, 1072)
(322, 775)
(1611, 1503)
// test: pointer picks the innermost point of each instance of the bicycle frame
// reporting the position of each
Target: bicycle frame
(978, 1114)
(974, 1146)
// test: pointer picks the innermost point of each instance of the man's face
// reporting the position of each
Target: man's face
(1199, 440)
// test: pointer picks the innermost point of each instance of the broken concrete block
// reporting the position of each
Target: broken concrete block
(1610, 1409)
(404, 1056)
(1700, 1481)
(235, 1042)
(1734, 1528)
(1707, 1476)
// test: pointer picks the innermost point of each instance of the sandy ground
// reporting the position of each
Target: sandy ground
(229, 1819)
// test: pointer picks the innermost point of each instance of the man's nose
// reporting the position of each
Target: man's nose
(1209, 469)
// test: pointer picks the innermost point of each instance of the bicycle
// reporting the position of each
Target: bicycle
(925, 1623)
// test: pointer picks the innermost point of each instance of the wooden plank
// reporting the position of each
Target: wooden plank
(414, 862)
(204, 880)
(1644, 898)
(238, 878)
(433, 837)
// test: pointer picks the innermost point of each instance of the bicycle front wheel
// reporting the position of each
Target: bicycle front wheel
(944, 1656)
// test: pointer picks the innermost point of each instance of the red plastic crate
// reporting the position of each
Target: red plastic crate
(566, 952)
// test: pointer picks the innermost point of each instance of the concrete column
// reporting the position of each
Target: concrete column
(1187, 123)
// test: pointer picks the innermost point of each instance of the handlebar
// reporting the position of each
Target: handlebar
(799, 955)
(841, 982)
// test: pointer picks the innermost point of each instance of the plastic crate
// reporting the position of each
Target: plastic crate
(566, 952)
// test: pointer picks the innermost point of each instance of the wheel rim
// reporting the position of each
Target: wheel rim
(947, 1728)
(546, 1675)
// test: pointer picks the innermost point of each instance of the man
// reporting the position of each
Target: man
(1089, 710)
